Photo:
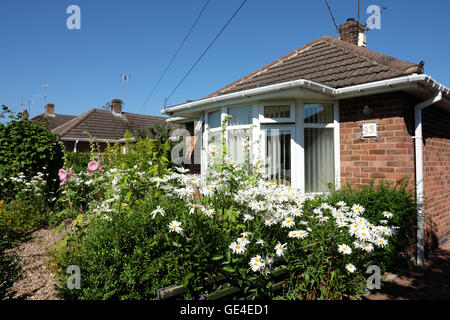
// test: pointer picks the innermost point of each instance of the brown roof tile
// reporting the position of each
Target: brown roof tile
(104, 124)
(52, 121)
(329, 61)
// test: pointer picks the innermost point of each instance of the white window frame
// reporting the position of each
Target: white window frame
(285, 126)
(296, 121)
(336, 132)
(264, 120)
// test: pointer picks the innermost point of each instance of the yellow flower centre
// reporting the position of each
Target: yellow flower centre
(238, 246)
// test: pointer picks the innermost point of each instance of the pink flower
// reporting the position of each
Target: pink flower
(70, 172)
(62, 176)
(93, 165)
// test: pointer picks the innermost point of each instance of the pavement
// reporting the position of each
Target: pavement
(430, 282)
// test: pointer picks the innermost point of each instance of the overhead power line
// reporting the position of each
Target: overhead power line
(204, 52)
(332, 16)
(174, 56)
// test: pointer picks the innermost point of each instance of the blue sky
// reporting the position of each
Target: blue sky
(82, 67)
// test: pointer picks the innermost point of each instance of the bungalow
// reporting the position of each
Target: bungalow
(335, 111)
(105, 126)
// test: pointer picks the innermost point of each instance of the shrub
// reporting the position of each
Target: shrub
(150, 229)
(396, 198)
(131, 255)
(78, 160)
(27, 147)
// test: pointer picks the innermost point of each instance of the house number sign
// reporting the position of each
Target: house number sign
(369, 130)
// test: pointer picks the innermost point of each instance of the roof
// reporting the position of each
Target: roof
(106, 125)
(328, 61)
(52, 121)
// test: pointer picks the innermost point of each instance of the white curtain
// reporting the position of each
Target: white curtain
(319, 159)
(239, 145)
(278, 155)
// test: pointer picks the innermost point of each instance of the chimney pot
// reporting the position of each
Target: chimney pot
(116, 106)
(353, 32)
(50, 108)
(25, 115)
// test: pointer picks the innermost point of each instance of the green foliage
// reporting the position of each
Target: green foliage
(396, 198)
(125, 249)
(132, 255)
(79, 161)
(27, 147)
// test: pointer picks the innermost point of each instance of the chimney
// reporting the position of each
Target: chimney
(50, 109)
(353, 32)
(25, 115)
(116, 106)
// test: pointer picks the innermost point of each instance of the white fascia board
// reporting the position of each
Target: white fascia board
(97, 140)
(179, 120)
(253, 92)
(346, 92)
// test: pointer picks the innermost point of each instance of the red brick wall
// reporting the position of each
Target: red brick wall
(436, 157)
(391, 158)
(83, 146)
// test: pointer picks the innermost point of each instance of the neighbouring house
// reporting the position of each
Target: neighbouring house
(105, 126)
(336, 112)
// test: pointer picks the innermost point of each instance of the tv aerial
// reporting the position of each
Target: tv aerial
(45, 94)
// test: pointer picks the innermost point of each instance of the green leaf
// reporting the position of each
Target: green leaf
(176, 244)
(217, 257)
(228, 269)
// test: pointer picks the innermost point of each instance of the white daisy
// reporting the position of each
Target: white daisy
(350, 268)
(280, 249)
(358, 244)
(387, 214)
(175, 226)
(256, 263)
(288, 222)
(237, 248)
(156, 211)
(358, 209)
(296, 212)
(207, 191)
(341, 204)
(381, 242)
(344, 249)
(368, 247)
(243, 240)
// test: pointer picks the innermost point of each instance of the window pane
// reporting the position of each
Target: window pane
(276, 112)
(214, 151)
(240, 115)
(278, 155)
(239, 145)
(319, 159)
(214, 119)
(319, 113)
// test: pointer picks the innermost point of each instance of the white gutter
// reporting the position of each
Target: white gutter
(419, 175)
(302, 83)
(75, 146)
(253, 92)
(179, 119)
(97, 140)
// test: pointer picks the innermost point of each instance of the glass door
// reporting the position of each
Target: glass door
(277, 151)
